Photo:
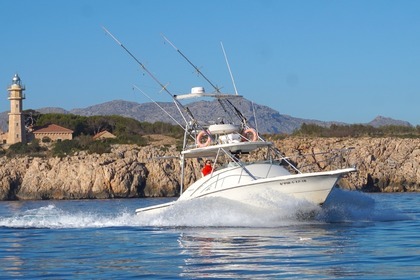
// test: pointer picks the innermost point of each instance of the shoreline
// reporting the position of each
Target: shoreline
(384, 165)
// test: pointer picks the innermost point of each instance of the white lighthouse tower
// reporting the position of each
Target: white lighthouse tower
(17, 132)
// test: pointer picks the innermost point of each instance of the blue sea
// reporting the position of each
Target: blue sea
(353, 236)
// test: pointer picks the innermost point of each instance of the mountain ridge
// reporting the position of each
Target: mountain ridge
(267, 120)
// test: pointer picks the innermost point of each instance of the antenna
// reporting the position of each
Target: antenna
(230, 72)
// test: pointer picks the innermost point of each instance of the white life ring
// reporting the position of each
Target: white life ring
(200, 137)
(252, 132)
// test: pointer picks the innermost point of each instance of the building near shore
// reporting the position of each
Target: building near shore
(17, 131)
(52, 132)
(105, 134)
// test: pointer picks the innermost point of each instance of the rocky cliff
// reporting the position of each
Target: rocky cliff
(384, 164)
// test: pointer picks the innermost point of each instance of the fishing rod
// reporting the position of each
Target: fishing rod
(177, 103)
(163, 109)
(244, 120)
(157, 104)
(238, 113)
(192, 64)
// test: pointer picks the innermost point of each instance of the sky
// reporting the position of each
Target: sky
(346, 61)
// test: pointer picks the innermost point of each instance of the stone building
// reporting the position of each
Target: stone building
(104, 135)
(52, 132)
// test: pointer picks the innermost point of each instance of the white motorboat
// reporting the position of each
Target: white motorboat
(242, 180)
(230, 142)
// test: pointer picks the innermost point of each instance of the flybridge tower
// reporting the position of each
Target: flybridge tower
(17, 132)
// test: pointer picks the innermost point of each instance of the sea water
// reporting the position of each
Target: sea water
(353, 236)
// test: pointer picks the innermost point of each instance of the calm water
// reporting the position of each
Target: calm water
(355, 236)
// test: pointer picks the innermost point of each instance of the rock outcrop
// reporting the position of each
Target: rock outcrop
(384, 165)
(118, 174)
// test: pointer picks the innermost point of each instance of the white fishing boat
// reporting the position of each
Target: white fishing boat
(236, 178)
(229, 141)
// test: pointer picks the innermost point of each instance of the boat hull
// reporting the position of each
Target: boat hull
(312, 187)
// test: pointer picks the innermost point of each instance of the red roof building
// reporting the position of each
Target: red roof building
(53, 132)
(104, 135)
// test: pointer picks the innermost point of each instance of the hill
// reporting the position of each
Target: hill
(382, 121)
(267, 119)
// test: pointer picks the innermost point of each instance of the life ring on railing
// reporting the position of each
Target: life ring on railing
(253, 133)
(200, 138)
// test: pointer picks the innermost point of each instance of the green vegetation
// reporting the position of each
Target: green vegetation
(130, 131)
(76, 123)
(358, 130)
(33, 148)
(66, 147)
(126, 130)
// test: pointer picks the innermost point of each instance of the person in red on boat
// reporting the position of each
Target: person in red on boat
(207, 169)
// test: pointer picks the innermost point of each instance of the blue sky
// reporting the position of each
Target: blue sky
(346, 61)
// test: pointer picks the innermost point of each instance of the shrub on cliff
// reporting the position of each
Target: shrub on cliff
(83, 143)
(65, 147)
(32, 148)
(86, 143)
(357, 130)
(130, 139)
(99, 147)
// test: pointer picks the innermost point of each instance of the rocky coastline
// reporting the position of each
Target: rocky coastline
(384, 165)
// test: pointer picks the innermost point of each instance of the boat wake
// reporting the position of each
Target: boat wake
(350, 206)
(52, 216)
(219, 212)
(342, 207)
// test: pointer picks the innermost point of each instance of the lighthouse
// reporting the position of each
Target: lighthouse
(17, 132)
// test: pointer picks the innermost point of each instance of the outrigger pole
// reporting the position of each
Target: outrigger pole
(239, 114)
(192, 64)
(177, 103)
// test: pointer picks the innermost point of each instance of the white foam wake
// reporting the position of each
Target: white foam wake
(351, 206)
(343, 206)
(52, 216)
